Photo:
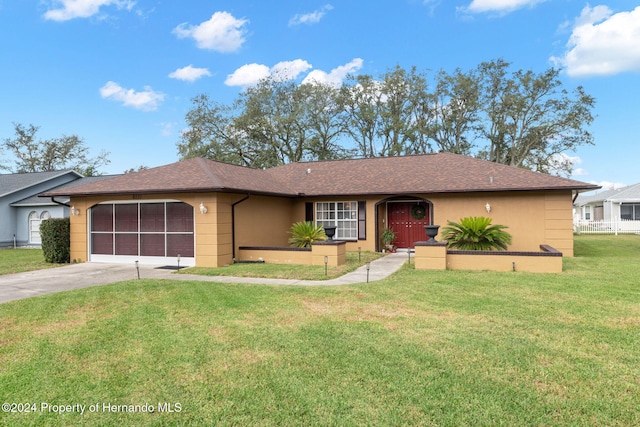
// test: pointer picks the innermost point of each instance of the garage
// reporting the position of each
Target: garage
(153, 232)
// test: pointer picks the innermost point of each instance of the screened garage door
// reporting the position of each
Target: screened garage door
(151, 232)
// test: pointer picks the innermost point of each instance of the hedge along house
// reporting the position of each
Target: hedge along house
(205, 210)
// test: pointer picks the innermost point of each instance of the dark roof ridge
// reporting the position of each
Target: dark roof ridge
(53, 172)
(205, 166)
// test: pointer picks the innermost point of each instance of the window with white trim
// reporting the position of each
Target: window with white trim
(587, 212)
(342, 215)
(35, 219)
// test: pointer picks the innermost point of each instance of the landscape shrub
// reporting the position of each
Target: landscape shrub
(304, 233)
(56, 245)
(477, 234)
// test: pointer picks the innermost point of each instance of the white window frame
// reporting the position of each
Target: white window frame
(35, 219)
(340, 214)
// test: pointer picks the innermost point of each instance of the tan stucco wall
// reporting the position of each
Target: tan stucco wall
(335, 255)
(436, 257)
(262, 220)
(532, 264)
(431, 257)
(276, 256)
(213, 229)
(533, 218)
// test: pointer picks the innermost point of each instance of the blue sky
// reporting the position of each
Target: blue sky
(121, 73)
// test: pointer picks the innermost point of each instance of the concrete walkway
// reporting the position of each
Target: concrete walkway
(75, 276)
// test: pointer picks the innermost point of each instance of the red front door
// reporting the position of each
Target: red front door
(404, 219)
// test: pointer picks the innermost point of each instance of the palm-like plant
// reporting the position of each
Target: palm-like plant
(304, 233)
(476, 233)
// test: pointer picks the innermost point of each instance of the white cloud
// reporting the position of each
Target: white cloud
(222, 33)
(69, 9)
(608, 185)
(289, 70)
(146, 100)
(250, 74)
(579, 172)
(602, 43)
(500, 6)
(189, 73)
(310, 18)
(335, 76)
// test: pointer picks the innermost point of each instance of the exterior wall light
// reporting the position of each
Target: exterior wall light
(74, 211)
(487, 207)
(203, 209)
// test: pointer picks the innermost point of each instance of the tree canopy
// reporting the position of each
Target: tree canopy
(65, 152)
(519, 118)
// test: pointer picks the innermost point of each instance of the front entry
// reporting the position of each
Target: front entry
(407, 220)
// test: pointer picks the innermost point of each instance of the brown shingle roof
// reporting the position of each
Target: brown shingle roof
(430, 173)
(191, 175)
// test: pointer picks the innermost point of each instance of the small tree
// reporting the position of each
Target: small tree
(66, 152)
(477, 234)
(304, 233)
(56, 245)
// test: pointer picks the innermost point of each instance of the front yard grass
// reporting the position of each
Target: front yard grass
(287, 271)
(21, 260)
(446, 348)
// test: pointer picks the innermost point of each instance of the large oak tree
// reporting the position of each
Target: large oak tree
(519, 118)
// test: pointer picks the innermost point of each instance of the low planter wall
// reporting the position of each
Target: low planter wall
(436, 256)
(334, 250)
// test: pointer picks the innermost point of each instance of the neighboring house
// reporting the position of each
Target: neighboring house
(610, 205)
(21, 211)
(616, 211)
(205, 211)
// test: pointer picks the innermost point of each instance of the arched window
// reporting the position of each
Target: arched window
(35, 219)
(34, 228)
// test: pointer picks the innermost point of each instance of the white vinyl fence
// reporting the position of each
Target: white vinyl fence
(606, 227)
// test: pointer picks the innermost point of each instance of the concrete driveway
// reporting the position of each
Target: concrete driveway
(75, 276)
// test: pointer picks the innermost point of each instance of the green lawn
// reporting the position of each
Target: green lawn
(20, 260)
(288, 271)
(420, 348)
